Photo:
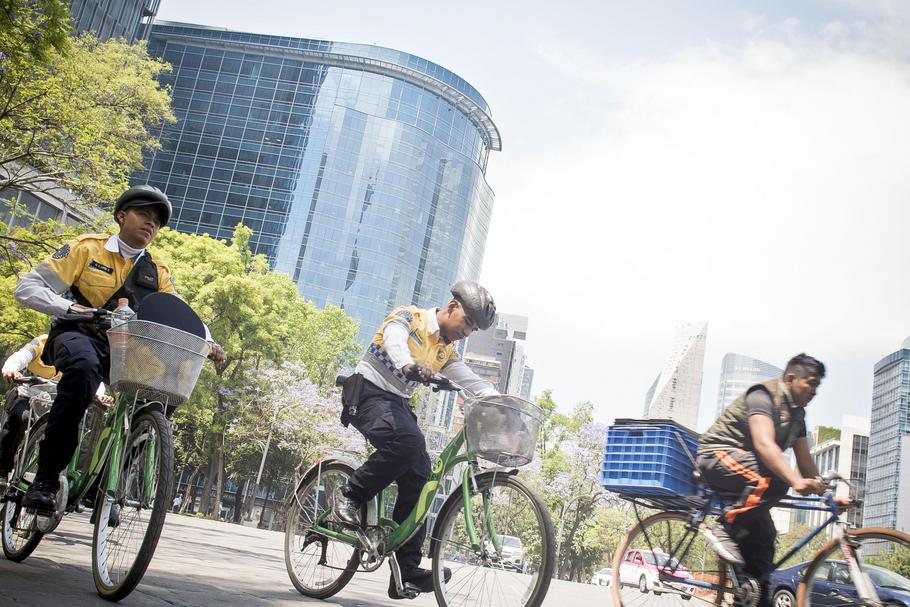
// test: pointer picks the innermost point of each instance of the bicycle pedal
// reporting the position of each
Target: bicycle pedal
(410, 591)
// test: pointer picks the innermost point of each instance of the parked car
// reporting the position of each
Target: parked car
(602, 577)
(832, 585)
(642, 568)
(513, 552)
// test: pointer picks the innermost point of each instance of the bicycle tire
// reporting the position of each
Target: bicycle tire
(827, 557)
(296, 556)
(656, 536)
(506, 575)
(138, 499)
(12, 510)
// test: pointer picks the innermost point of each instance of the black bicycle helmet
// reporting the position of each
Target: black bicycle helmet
(477, 302)
(143, 196)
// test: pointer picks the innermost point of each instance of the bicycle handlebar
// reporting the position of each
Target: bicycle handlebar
(32, 380)
(443, 383)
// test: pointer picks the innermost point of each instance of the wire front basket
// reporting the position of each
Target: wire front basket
(155, 362)
(502, 429)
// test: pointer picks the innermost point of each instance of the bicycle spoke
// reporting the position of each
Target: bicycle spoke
(485, 576)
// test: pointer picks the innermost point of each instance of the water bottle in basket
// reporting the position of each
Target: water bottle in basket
(119, 333)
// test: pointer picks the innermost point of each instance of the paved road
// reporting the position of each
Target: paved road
(201, 563)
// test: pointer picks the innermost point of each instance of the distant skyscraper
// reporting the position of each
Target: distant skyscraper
(526, 383)
(127, 19)
(505, 343)
(676, 392)
(359, 169)
(738, 373)
(887, 501)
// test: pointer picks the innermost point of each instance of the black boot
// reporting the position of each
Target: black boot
(40, 496)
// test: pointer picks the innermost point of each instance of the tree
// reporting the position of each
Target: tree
(259, 318)
(81, 119)
(31, 29)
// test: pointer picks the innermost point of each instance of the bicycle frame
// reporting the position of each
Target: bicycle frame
(401, 533)
(714, 504)
(107, 448)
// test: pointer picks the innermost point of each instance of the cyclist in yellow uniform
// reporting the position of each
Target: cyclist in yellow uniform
(410, 347)
(92, 271)
(24, 362)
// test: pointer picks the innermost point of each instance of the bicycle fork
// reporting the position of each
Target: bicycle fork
(865, 588)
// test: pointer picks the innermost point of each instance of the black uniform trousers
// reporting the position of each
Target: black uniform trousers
(386, 420)
(83, 361)
(748, 519)
(14, 427)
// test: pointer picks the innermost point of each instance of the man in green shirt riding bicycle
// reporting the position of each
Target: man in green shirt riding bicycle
(743, 453)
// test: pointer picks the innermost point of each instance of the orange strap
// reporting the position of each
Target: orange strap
(761, 484)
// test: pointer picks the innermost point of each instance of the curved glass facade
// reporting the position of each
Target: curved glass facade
(360, 169)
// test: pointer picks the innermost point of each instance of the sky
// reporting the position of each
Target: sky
(744, 164)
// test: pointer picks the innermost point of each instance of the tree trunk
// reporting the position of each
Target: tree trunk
(250, 502)
(205, 505)
(265, 504)
(189, 494)
(219, 475)
(238, 505)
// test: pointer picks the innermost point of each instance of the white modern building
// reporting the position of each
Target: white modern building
(844, 451)
(676, 392)
(738, 373)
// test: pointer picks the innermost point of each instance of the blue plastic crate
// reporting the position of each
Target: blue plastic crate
(649, 458)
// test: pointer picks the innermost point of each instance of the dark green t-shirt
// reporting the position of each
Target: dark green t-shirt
(731, 429)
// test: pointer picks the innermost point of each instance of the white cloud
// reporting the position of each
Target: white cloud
(763, 187)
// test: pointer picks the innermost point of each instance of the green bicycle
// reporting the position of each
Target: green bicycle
(493, 532)
(125, 455)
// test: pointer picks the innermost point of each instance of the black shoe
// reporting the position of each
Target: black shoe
(40, 496)
(420, 579)
(346, 509)
(724, 545)
(4, 480)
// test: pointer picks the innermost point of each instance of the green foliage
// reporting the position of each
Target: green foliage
(33, 29)
(796, 534)
(826, 433)
(897, 560)
(80, 118)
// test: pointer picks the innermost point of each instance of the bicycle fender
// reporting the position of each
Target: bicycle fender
(372, 505)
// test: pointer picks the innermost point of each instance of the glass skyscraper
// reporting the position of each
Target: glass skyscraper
(127, 19)
(887, 499)
(360, 169)
(738, 374)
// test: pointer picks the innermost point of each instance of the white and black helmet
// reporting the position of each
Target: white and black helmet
(477, 302)
(142, 196)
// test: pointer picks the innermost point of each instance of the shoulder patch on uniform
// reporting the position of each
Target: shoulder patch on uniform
(62, 252)
(405, 314)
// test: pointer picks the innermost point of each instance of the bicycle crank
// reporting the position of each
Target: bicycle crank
(748, 593)
(371, 559)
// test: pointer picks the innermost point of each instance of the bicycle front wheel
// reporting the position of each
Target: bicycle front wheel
(128, 523)
(882, 557)
(318, 566)
(20, 534)
(513, 560)
(661, 561)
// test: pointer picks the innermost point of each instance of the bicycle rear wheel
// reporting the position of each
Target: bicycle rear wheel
(20, 534)
(518, 573)
(128, 524)
(662, 562)
(318, 566)
(883, 557)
